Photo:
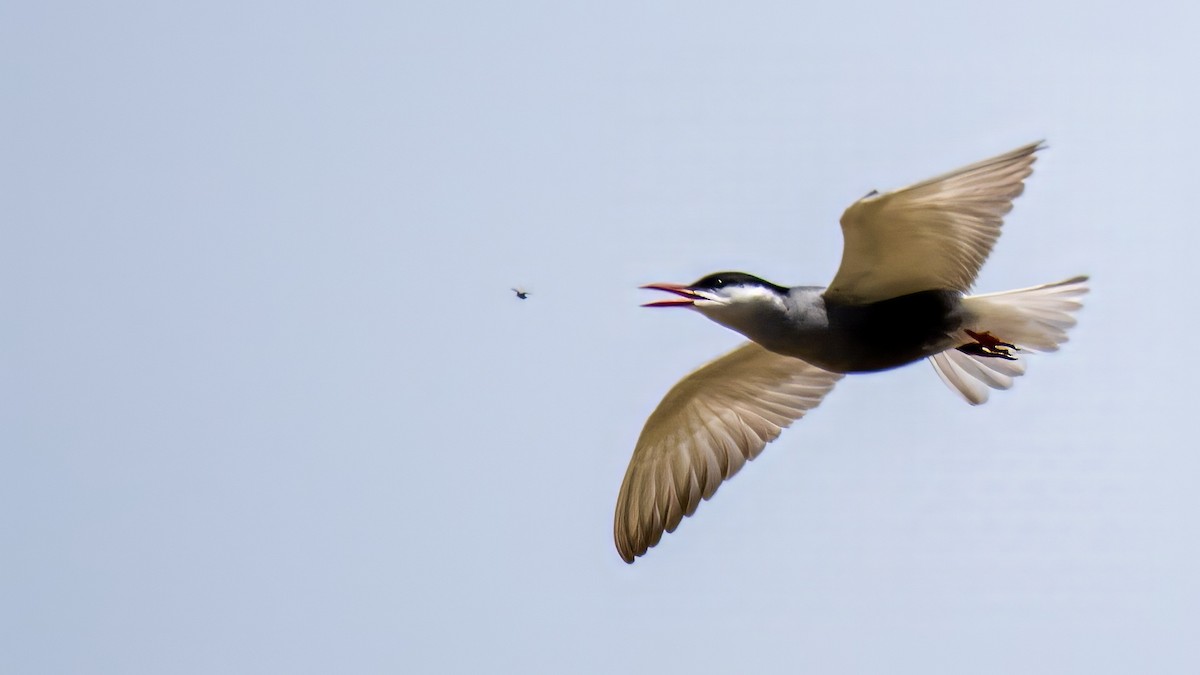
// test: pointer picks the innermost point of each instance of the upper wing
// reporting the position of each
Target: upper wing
(706, 427)
(932, 235)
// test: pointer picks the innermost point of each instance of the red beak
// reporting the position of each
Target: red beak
(686, 297)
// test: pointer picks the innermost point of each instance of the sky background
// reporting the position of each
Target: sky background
(267, 404)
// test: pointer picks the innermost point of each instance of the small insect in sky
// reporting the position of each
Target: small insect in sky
(521, 293)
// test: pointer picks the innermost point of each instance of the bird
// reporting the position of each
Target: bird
(521, 293)
(910, 256)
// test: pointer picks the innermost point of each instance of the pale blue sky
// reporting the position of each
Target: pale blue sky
(268, 406)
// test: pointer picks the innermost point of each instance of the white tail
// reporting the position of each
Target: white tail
(1033, 319)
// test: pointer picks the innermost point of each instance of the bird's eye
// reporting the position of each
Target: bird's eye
(718, 282)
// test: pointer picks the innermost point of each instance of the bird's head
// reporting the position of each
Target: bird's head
(729, 298)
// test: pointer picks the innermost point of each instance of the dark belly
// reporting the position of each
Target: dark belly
(892, 332)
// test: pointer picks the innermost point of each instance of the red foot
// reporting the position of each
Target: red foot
(990, 341)
(986, 344)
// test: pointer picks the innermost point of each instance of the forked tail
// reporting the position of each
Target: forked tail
(1004, 326)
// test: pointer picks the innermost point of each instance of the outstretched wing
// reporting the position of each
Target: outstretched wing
(932, 235)
(706, 427)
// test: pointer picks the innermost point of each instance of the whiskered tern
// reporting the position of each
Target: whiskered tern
(899, 296)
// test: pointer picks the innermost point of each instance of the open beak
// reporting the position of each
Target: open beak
(686, 297)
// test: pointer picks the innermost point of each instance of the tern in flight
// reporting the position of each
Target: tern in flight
(900, 295)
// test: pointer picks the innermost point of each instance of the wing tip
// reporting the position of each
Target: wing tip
(621, 540)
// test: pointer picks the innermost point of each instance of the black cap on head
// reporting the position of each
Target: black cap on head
(723, 279)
